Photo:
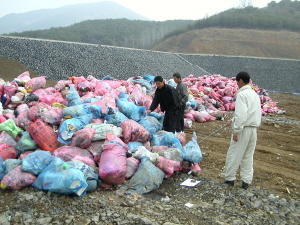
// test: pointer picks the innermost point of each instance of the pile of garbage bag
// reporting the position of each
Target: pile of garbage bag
(85, 133)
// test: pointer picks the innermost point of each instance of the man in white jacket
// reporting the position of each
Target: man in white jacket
(247, 117)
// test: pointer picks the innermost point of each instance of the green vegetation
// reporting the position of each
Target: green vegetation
(115, 32)
(284, 15)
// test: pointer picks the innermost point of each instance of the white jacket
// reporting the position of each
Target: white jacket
(247, 109)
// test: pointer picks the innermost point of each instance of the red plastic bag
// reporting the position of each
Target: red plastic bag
(83, 138)
(43, 135)
(133, 131)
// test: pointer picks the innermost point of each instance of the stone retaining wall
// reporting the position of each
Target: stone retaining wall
(59, 60)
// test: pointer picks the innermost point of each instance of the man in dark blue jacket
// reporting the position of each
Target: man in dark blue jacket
(167, 97)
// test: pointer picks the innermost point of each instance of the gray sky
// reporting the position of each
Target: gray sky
(159, 10)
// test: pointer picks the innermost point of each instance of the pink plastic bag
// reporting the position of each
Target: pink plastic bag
(168, 166)
(22, 108)
(196, 170)
(83, 138)
(96, 149)
(24, 76)
(35, 112)
(5, 138)
(61, 84)
(132, 165)
(158, 148)
(112, 137)
(23, 121)
(182, 138)
(68, 153)
(35, 83)
(133, 131)
(113, 164)
(2, 118)
(16, 179)
(53, 116)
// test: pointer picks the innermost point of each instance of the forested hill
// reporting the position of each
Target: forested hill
(116, 32)
(284, 15)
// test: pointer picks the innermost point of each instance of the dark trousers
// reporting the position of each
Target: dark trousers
(170, 120)
(180, 119)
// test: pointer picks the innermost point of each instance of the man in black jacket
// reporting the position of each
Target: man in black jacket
(167, 97)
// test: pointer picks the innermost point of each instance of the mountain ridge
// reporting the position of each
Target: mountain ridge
(65, 16)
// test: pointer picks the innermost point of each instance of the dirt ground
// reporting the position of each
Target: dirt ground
(276, 160)
(277, 155)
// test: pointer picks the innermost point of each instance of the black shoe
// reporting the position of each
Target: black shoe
(229, 182)
(245, 185)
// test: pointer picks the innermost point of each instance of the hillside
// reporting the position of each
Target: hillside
(65, 16)
(235, 42)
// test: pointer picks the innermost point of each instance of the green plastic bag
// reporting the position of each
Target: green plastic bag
(10, 127)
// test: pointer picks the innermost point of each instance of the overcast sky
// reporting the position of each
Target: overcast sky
(159, 10)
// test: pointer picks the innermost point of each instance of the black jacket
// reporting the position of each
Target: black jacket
(167, 97)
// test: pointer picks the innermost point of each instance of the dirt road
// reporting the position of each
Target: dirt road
(277, 156)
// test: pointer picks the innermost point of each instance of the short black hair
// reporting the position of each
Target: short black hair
(158, 78)
(244, 76)
(177, 75)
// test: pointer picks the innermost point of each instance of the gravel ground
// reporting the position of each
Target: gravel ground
(211, 203)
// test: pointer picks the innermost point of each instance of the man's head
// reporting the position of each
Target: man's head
(177, 77)
(242, 79)
(159, 82)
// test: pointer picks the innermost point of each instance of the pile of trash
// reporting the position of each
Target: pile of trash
(86, 133)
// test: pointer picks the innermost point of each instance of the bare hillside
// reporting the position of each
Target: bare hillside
(235, 42)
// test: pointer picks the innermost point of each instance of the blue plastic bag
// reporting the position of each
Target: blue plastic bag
(147, 178)
(61, 177)
(108, 77)
(73, 96)
(91, 176)
(25, 143)
(131, 110)
(2, 168)
(68, 127)
(149, 78)
(36, 162)
(134, 144)
(158, 116)
(144, 83)
(151, 124)
(191, 151)
(165, 138)
(10, 164)
(116, 118)
(80, 110)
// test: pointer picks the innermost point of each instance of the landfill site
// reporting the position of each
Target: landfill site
(78, 147)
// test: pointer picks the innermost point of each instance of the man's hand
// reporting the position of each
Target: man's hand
(228, 122)
(148, 111)
(235, 137)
